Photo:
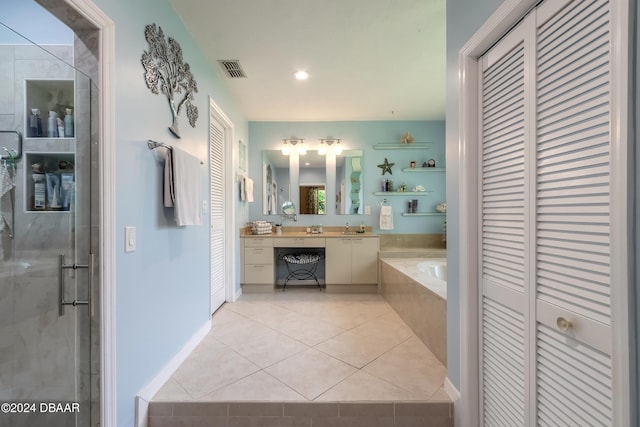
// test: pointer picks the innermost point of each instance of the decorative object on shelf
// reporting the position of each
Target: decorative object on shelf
(425, 165)
(412, 164)
(441, 207)
(431, 163)
(419, 189)
(402, 188)
(68, 123)
(166, 72)
(386, 167)
(35, 123)
(407, 138)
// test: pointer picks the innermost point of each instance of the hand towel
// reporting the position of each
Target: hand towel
(248, 188)
(169, 195)
(273, 210)
(186, 180)
(386, 217)
(243, 190)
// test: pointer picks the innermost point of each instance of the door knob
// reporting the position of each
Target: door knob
(563, 324)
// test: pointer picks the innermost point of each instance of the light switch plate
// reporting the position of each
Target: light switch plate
(129, 239)
(367, 210)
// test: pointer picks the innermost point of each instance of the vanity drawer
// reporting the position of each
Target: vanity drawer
(258, 273)
(258, 242)
(258, 255)
(299, 242)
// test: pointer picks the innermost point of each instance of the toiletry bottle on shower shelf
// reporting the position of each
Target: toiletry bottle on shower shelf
(60, 127)
(52, 125)
(68, 123)
(35, 123)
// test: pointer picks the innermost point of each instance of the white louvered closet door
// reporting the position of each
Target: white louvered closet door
(503, 254)
(217, 215)
(545, 231)
(572, 274)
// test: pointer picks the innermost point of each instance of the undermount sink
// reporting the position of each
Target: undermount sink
(349, 232)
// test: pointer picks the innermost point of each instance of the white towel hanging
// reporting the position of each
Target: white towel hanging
(386, 217)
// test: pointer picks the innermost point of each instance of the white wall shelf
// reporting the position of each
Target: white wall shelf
(399, 146)
(401, 193)
(423, 214)
(416, 170)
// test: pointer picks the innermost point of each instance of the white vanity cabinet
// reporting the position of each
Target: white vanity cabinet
(258, 266)
(352, 260)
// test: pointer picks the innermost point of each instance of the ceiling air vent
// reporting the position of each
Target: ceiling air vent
(232, 68)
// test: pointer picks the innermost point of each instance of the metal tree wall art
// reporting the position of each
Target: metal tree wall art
(165, 71)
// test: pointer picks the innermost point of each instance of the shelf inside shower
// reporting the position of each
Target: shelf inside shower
(49, 181)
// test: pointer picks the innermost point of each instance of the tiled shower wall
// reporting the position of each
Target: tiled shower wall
(45, 357)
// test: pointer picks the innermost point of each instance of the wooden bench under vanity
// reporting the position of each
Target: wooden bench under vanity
(349, 262)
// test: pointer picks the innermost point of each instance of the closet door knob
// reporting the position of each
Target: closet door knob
(563, 324)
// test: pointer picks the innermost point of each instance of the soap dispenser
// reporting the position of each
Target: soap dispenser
(362, 227)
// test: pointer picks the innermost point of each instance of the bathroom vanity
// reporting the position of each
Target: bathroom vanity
(350, 261)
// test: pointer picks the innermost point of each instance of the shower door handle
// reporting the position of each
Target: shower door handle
(62, 302)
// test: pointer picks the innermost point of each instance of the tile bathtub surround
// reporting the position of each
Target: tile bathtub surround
(411, 241)
(294, 414)
(423, 310)
(300, 352)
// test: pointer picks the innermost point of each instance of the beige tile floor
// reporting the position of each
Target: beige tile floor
(305, 345)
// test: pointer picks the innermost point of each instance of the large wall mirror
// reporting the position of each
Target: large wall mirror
(349, 193)
(275, 181)
(312, 185)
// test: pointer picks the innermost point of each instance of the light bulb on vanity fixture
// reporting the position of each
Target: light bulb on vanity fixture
(328, 143)
(287, 144)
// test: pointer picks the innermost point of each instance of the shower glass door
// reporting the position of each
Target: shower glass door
(46, 309)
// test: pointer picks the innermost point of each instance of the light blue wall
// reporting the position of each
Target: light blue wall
(162, 288)
(464, 18)
(361, 135)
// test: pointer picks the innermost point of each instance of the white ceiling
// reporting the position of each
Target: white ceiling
(367, 59)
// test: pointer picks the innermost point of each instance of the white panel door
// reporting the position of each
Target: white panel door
(217, 213)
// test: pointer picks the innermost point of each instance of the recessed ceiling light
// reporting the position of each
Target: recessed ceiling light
(307, 163)
(302, 75)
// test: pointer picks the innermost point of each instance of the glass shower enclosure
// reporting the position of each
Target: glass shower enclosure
(48, 298)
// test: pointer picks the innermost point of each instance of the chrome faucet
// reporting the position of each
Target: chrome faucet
(346, 228)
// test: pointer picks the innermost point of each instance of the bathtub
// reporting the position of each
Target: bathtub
(416, 288)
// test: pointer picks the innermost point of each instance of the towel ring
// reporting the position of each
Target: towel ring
(383, 202)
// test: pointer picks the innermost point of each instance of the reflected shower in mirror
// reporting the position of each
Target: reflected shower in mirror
(275, 181)
(349, 193)
(312, 187)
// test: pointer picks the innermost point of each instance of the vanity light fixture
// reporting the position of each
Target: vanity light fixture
(327, 143)
(322, 150)
(287, 144)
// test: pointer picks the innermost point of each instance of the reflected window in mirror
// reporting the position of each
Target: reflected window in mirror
(349, 192)
(275, 181)
(312, 184)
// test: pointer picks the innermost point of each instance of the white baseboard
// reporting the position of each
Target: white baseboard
(147, 392)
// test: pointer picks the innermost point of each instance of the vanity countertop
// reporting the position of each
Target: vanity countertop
(295, 231)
